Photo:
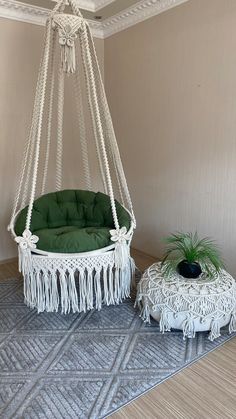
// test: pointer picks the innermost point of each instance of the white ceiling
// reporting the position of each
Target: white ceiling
(105, 17)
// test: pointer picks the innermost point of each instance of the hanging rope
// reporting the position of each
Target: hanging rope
(90, 105)
(96, 114)
(22, 188)
(50, 111)
(60, 112)
(39, 118)
(110, 130)
(82, 131)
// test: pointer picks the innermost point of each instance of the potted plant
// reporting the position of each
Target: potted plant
(190, 256)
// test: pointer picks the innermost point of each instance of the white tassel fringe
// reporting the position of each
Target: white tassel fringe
(121, 255)
(232, 324)
(189, 328)
(215, 330)
(164, 322)
(73, 289)
(68, 60)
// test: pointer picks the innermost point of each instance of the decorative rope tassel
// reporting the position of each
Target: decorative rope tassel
(121, 255)
(122, 249)
(133, 269)
(189, 328)
(145, 312)
(26, 243)
(68, 27)
(232, 324)
(215, 329)
(68, 60)
(164, 322)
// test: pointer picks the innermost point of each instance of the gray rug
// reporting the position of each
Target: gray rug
(82, 366)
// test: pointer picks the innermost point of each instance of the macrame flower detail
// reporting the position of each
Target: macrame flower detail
(120, 236)
(121, 253)
(68, 27)
(27, 240)
(66, 37)
(67, 41)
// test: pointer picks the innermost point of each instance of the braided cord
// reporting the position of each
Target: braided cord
(82, 131)
(28, 153)
(59, 7)
(33, 132)
(110, 149)
(50, 111)
(60, 111)
(95, 110)
(75, 7)
(90, 105)
(121, 179)
(41, 99)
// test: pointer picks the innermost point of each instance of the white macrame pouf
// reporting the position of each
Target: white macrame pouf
(187, 304)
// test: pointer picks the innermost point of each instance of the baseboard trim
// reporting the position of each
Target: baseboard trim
(143, 254)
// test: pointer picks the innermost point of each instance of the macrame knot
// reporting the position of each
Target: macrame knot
(67, 38)
(121, 254)
(68, 27)
(120, 235)
(27, 240)
(67, 42)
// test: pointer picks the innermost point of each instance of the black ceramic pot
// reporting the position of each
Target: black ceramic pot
(189, 270)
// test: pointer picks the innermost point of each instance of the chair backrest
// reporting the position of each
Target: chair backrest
(72, 208)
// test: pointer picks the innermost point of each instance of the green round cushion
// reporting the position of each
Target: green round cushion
(72, 221)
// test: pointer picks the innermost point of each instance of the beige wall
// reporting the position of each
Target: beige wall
(171, 84)
(20, 46)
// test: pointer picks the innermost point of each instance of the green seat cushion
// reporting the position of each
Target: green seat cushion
(72, 221)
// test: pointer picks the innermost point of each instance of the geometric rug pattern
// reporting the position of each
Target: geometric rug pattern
(83, 365)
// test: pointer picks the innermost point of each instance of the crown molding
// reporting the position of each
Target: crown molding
(11, 9)
(93, 5)
(144, 9)
(99, 4)
(141, 11)
(15, 10)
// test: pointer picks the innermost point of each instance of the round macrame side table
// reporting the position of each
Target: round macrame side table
(187, 304)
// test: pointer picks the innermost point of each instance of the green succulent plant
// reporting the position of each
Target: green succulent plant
(188, 246)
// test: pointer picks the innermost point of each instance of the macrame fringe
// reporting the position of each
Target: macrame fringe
(145, 313)
(232, 324)
(164, 323)
(74, 290)
(215, 330)
(142, 303)
(24, 260)
(121, 255)
(189, 328)
(68, 60)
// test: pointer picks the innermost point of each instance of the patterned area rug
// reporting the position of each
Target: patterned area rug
(86, 365)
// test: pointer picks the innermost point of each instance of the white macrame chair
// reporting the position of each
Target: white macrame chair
(80, 281)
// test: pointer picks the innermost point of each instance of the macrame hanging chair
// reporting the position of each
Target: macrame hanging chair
(73, 244)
